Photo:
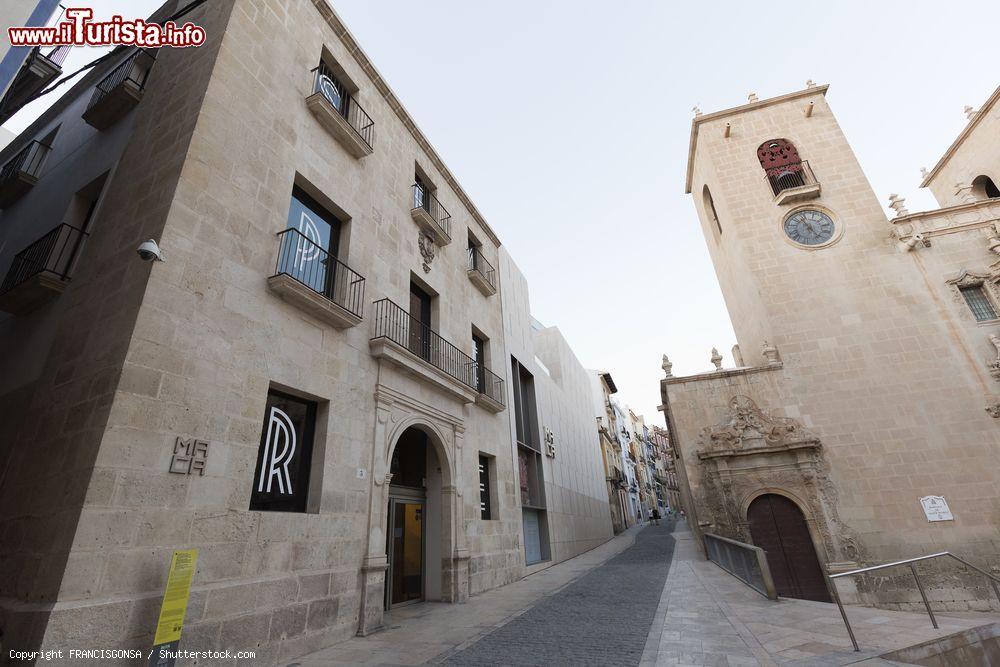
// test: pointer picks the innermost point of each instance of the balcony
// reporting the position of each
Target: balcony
(792, 183)
(421, 352)
(40, 272)
(119, 92)
(430, 215)
(341, 115)
(21, 172)
(37, 72)
(490, 388)
(481, 272)
(318, 283)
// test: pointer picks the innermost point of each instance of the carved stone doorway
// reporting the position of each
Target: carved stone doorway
(778, 526)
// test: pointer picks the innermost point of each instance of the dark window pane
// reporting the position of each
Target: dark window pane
(281, 482)
(485, 510)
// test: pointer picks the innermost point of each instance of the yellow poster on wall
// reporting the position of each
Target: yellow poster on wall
(175, 597)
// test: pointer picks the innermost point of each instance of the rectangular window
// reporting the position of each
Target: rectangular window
(479, 362)
(524, 405)
(309, 249)
(979, 303)
(485, 503)
(284, 460)
(420, 322)
(330, 85)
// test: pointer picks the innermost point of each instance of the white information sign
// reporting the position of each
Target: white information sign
(936, 508)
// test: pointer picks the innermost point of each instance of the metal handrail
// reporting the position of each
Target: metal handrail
(724, 559)
(920, 587)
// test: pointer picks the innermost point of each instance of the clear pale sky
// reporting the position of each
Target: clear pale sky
(567, 121)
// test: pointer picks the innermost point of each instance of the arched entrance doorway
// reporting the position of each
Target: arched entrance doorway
(414, 517)
(779, 528)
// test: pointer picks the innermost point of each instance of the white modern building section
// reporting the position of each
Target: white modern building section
(563, 496)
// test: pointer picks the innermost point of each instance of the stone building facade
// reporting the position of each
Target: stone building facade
(604, 388)
(864, 390)
(312, 389)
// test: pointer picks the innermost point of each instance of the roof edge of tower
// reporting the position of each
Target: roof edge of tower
(751, 106)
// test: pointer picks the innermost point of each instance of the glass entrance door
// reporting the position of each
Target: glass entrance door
(406, 551)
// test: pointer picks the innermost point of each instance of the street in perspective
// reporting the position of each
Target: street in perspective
(273, 391)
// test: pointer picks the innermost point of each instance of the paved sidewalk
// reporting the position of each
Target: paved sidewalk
(431, 631)
(708, 617)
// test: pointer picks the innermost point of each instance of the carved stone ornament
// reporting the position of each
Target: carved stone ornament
(770, 352)
(717, 359)
(781, 456)
(994, 410)
(994, 365)
(667, 367)
(898, 204)
(750, 428)
(426, 244)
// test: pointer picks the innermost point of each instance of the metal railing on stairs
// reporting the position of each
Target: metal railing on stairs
(744, 561)
(910, 562)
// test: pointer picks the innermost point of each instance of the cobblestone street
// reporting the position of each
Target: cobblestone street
(602, 618)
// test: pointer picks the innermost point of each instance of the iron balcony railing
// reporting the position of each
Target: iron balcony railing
(53, 253)
(395, 324)
(744, 561)
(790, 176)
(308, 263)
(425, 199)
(911, 563)
(488, 383)
(325, 82)
(27, 161)
(128, 71)
(479, 264)
(56, 56)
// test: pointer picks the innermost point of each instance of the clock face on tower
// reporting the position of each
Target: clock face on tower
(809, 227)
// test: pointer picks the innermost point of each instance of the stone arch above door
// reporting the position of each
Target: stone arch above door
(751, 451)
(396, 412)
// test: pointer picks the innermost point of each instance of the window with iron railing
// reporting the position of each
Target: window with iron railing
(52, 254)
(308, 263)
(331, 87)
(27, 161)
(424, 199)
(133, 71)
(783, 168)
(479, 264)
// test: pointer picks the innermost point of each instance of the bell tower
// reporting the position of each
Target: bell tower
(787, 214)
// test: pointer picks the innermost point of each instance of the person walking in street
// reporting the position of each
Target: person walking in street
(656, 516)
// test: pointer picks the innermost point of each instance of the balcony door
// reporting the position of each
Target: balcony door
(313, 253)
(420, 322)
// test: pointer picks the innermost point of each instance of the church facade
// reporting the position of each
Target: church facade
(859, 422)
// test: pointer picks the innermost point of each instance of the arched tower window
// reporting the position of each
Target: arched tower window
(983, 187)
(782, 165)
(710, 208)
